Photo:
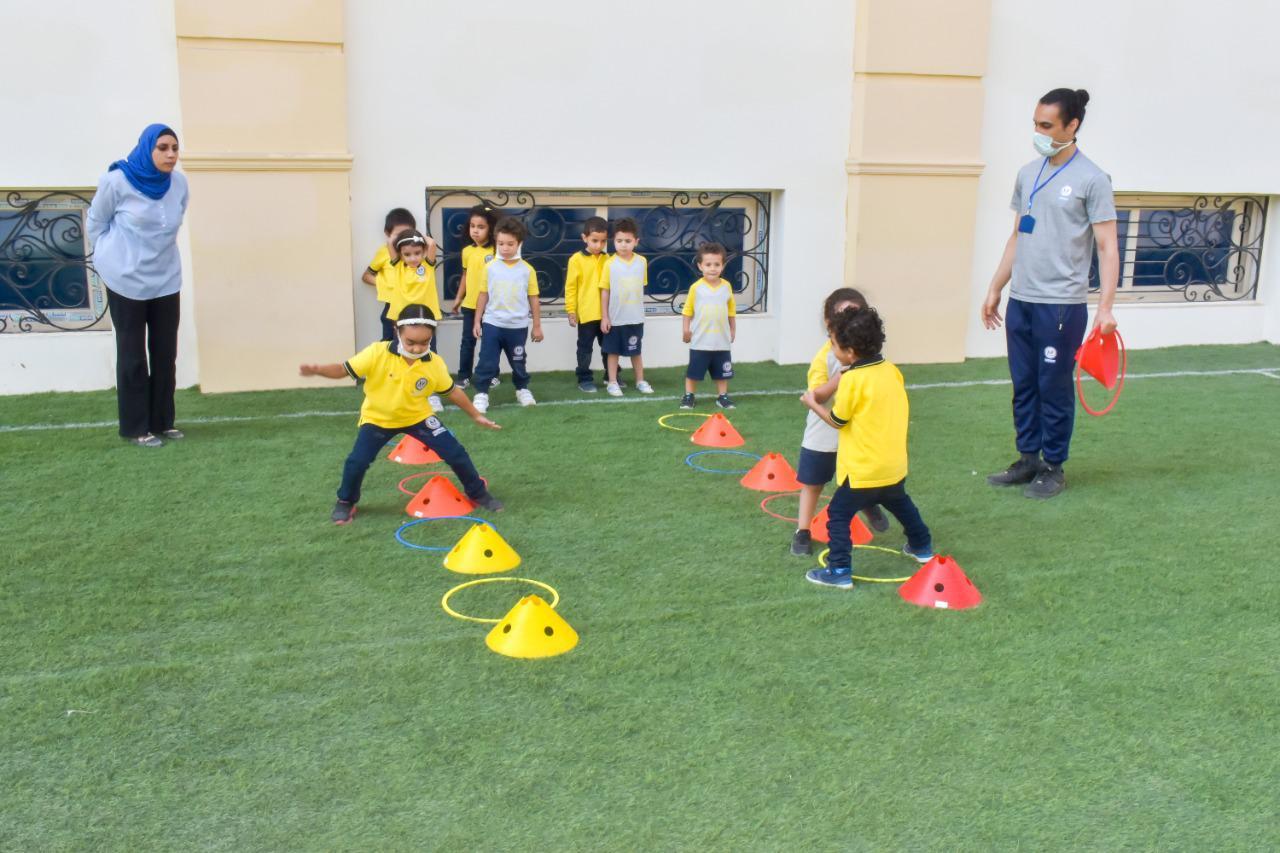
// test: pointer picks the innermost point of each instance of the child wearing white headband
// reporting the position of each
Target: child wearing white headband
(399, 377)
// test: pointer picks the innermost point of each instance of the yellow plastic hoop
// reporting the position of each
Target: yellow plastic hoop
(822, 561)
(662, 421)
(444, 602)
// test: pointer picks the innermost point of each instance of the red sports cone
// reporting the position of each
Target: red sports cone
(410, 451)
(857, 530)
(940, 583)
(772, 474)
(438, 498)
(717, 432)
(1099, 356)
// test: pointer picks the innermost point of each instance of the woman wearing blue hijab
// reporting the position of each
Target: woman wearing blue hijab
(133, 223)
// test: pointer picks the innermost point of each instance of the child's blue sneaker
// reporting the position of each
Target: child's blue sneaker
(923, 555)
(831, 578)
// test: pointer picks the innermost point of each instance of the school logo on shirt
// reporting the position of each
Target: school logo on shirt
(488, 258)
(420, 384)
(1066, 191)
(1050, 355)
(422, 269)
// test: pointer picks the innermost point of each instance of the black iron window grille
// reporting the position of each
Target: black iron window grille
(673, 223)
(1188, 248)
(47, 280)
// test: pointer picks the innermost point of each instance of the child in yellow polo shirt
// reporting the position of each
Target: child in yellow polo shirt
(398, 377)
(870, 411)
(398, 219)
(478, 252)
(582, 296)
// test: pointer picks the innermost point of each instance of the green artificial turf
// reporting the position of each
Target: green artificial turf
(253, 677)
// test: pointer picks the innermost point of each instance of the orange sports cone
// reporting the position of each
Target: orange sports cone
(940, 583)
(717, 432)
(772, 474)
(410, 451)
(858, 531)
(1105, 358)
(531, 629)
(438, 498)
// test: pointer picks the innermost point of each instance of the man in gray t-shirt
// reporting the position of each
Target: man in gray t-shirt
(1063, 207)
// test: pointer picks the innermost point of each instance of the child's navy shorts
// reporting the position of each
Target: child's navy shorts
(716, 362)
(816, 467)
(623, 340)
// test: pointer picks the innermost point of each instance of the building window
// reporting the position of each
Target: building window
(672, 224)
(1188, 248)
(47, 281)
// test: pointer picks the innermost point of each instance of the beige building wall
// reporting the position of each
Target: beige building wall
(913, 168)
(263, 88)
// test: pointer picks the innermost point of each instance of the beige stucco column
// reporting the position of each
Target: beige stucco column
(263, 88)
(913, 168)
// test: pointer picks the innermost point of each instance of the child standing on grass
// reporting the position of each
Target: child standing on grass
(398, 219)
(478, 252)
(398, 378)
(709, 327)
(508, 299)
(818, 447)
(870, 412)
(411, 280)
(582, 296)
(622, 285)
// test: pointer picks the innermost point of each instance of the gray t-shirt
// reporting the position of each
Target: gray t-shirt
(1052, 263)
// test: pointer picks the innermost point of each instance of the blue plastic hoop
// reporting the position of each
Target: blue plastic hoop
(400, 538)
(688, 460)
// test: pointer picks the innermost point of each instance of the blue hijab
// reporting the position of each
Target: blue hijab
(140, 170)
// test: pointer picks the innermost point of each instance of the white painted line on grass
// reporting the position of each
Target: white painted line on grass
(1270, 372)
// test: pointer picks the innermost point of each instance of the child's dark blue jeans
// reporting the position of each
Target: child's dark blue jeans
(848, 502)
(497, 341)
(372, 438)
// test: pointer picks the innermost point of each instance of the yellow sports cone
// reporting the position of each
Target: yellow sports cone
(531, 630)
(481, 551)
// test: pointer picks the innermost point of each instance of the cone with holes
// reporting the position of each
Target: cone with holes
(772, 474)
(410, 451)
(717, 432)
(438, 498)
(942, 584)
(532, 629)
(858, 531)
(481, 551)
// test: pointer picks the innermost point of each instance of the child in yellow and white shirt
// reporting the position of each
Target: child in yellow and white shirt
(709, 327)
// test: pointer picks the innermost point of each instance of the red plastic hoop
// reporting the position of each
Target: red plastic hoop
(764, 505)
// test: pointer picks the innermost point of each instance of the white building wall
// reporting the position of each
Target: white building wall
(724, 94)
(1179, 92)
(83, 106)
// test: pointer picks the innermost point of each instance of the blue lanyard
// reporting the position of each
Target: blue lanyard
(1037, 186)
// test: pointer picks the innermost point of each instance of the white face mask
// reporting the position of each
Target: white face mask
(1046, 146)
(412, 356)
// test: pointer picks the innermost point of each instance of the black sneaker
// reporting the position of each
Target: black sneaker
(876, 518)
(489, 502)
(343, 512)
(802, 544)
(1021, 472)
(588, 387)
(686, 402)
(464, 384)
(724, 402)
(1049, 483)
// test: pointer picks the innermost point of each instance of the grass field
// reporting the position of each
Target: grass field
(252, 677)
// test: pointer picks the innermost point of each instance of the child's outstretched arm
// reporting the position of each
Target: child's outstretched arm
(459, 399)
(328, 371)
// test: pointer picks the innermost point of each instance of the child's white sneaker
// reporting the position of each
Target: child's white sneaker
(614, 389)
(644, 387)
(436, 405)
(525, 397)
(481, 402)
